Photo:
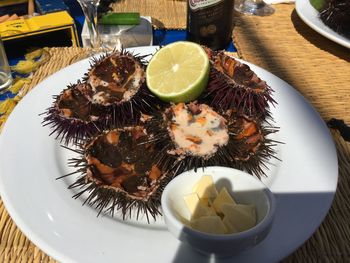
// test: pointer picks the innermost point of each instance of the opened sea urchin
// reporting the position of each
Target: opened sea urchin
(118, 83)
(73, 117)
(189, 136)
(233, 85)
(117, 173)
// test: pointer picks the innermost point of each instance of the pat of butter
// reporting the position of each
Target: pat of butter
(205, 202)
(216, 213)
(223, 198)
(231, 229)
(196, 207)
(205, 187)
(209, 224)
(241, 217)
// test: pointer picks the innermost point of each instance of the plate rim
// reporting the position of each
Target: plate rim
(332, 35)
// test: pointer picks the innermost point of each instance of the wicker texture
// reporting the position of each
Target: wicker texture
(280, 44)
(165, 13)
(284, 45)
(14, 246)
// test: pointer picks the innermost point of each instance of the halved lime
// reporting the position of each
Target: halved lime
(317, 4)
(178, 72)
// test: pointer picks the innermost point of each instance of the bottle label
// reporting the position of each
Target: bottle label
(197, 4)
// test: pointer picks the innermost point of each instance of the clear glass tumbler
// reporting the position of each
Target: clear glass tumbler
(5, 71)
(89, 8)
(253, 7)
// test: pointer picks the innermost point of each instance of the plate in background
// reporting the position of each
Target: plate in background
(311, 17)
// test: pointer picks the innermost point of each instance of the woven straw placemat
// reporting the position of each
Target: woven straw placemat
(284, 45)
(14, 246)
(170, 14)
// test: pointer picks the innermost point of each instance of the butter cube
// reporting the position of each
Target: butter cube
(230, 228)
(196, 208)
(205, 202)
(241, 217)
(209, 224)
(205, 187)
(248, 209)
(223, 198)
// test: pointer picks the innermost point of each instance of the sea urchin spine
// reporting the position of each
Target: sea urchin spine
(117, 173)
(233, 85)
(336, 15)
(72, 117)
(189, 136)
(118, 83)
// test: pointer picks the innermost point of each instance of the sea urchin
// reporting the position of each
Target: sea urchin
(233, 85)
(72, 117)
(189, 136)
(117, 173)
(118, 83)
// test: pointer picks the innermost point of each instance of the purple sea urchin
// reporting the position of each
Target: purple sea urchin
(250, 145)
(118, 82)
(233, 85)
(336, 15)
(117, 173)
(189, 136)
(72, 117)
(131, 144)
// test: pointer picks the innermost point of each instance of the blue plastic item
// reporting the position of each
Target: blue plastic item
(50, 6)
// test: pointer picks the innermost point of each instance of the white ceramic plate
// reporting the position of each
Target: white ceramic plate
(304, 184)
(311, 17)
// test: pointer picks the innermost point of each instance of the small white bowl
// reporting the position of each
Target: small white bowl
(245, 189)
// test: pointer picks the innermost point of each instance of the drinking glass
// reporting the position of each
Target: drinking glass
(5, 71)
(89, 8)
(253, 7)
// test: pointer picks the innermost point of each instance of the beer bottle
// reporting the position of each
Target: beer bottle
(209, 22)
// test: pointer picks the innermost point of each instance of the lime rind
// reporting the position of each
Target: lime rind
(317, 4)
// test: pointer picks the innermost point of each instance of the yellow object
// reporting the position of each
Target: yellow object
(16, 87)
(196, 208)
(230, 228)
(222, 198)
(178, 72)
(3, 119)
(192, 201)
(209, 224)
(24, 27)
(205, 188)
(7, 106)
(215, 213)
(205, 201)
(34, 54)
(25, 66)
(241, 217)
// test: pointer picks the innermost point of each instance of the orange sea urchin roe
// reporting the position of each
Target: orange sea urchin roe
(197, 129)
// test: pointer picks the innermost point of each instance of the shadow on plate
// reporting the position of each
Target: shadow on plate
(318, 40)
(289, 231)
